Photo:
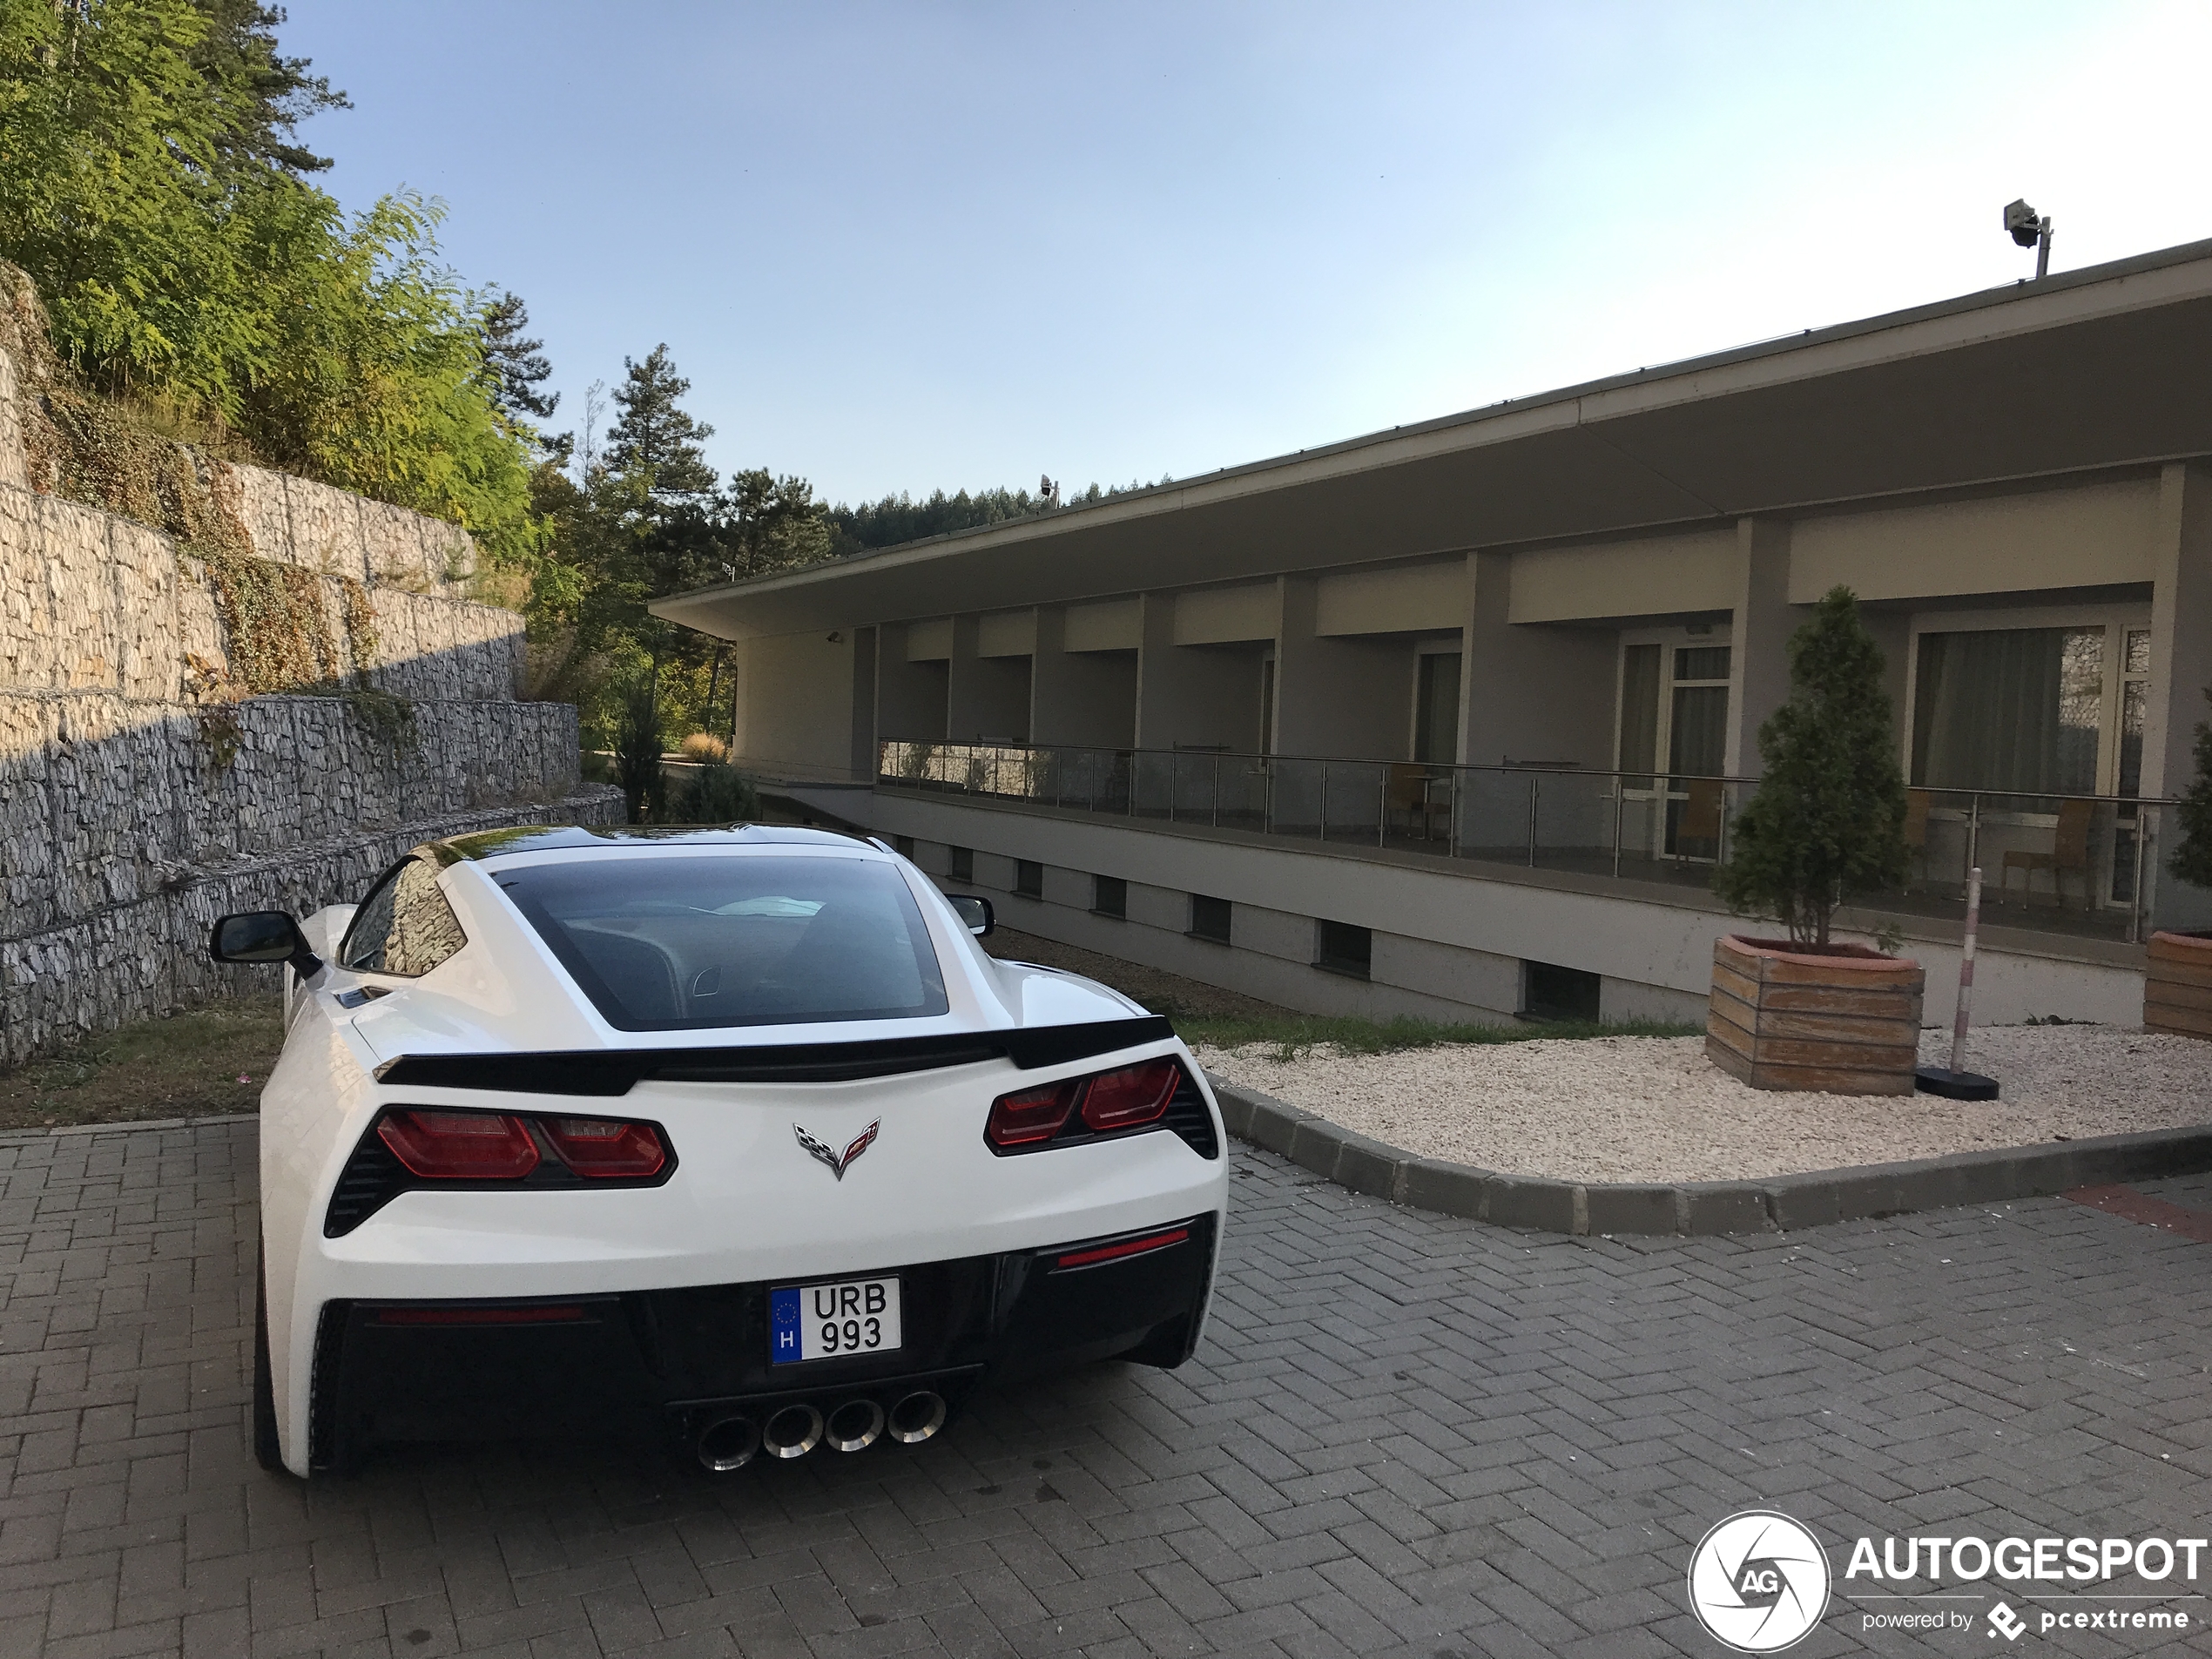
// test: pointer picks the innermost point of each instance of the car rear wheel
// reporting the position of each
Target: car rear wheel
(267, 1451)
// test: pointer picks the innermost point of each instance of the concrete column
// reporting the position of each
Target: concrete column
(865, 753)
(1080, 697)
(1533, 692)
(1193, 694)
(2181, 669)
(1350, 697)
(910, 697)
(2180, 628)
(986, 697)
(1759, 671)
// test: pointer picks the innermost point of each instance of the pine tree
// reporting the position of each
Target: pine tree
(2192, 858)
(517, 366)
(1827, 823)
(655, 438)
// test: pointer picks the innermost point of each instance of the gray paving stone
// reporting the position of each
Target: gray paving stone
(1406, 1433)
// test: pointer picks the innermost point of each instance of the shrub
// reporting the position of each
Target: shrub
(717, 793)
(1827, 823)
(637, 751)
(2192, 858)
(705, 746)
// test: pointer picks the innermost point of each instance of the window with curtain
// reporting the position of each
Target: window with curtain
(1436, 716)
(2015, 710)
(1639, 667)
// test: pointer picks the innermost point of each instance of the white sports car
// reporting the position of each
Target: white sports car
(738, 1133)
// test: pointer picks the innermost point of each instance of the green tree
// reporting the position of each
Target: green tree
(767, 522)
(2191, 860)
(1827, 823)
(516, 364)
(655, 437)
(151, 186)
(271, 93)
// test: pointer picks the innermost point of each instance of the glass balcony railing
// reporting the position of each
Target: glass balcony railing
(2083, 864)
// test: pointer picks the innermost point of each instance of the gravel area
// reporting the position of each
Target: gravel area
(1655, 1109)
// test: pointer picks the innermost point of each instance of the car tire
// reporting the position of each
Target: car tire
(267, 1451)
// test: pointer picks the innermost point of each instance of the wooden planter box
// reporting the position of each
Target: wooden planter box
(2177, 985)
(1845, 1020)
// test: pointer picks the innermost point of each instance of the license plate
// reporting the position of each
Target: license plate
(830, 1321)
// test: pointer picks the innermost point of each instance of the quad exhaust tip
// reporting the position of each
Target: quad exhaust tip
(917, 1417)
(855, 1426)
(730, 1443)
(793, 1431)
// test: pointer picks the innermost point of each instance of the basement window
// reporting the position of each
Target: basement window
(960, 864)
(1209, 919)
(1549, 992)
(1109, 897)
(1343, 948)
(903, 846)
(1029, 877)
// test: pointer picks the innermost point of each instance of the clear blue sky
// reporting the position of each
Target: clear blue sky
(902, 245)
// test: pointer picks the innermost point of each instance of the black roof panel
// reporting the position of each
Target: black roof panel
(549, 838)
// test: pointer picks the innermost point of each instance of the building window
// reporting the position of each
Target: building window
(1108, 896)
(1209, 919)
(903, 845)
(1343, 948)
(1436, 709)
(2013, 709)
(1549, 992)
(960, 863)
(1267, 703)
(1029, 877)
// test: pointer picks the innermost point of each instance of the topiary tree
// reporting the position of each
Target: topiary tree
(1827, 823)
(2192, 858)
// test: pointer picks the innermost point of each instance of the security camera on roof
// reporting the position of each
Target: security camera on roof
(2020, 220)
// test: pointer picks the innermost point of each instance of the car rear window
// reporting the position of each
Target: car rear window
(662, 944)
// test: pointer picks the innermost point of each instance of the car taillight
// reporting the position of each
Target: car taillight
(1132, 1096)
(460, 1146)
(1105, 1102)
(605, 1150)
(1034, 1114)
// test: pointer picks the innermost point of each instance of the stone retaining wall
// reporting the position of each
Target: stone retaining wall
(141, 794)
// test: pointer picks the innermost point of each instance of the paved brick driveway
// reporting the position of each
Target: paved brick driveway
(1406, 1433)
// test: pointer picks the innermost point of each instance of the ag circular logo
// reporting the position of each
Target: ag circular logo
(1758, 1582)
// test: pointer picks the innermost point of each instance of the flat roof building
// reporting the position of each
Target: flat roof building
(1453, 719)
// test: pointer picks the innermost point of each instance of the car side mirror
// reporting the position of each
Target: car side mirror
(262, 936)
(974, 911)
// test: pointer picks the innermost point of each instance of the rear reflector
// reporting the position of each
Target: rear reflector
(479, 1316)
(605, 1150)
(1132, 1096)
(1116, 1251)
(1032, 1116)
(460, 1146)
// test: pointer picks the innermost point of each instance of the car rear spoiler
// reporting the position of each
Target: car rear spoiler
(605, 1072)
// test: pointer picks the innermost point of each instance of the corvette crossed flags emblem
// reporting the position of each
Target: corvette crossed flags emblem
(836, 1163)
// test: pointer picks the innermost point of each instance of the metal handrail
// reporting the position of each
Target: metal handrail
(1501, 769)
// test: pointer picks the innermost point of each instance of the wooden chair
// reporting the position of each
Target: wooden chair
(1700, 817)
(2069, 850)
(1411, 791)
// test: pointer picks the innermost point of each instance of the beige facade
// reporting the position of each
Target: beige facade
(1601, 586)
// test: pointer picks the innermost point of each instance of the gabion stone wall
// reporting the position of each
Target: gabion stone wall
(141, 795)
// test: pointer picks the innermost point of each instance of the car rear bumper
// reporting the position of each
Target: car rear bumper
(679, 1360)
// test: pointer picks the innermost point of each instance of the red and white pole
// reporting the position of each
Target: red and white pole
(1966, 971)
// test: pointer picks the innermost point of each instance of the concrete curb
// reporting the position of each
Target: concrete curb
(1778, 1203)
(13, 1136)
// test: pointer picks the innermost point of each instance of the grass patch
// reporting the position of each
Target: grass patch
(204, 1062)
(1291, 1034)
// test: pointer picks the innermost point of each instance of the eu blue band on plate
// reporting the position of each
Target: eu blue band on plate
(783, 1314)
